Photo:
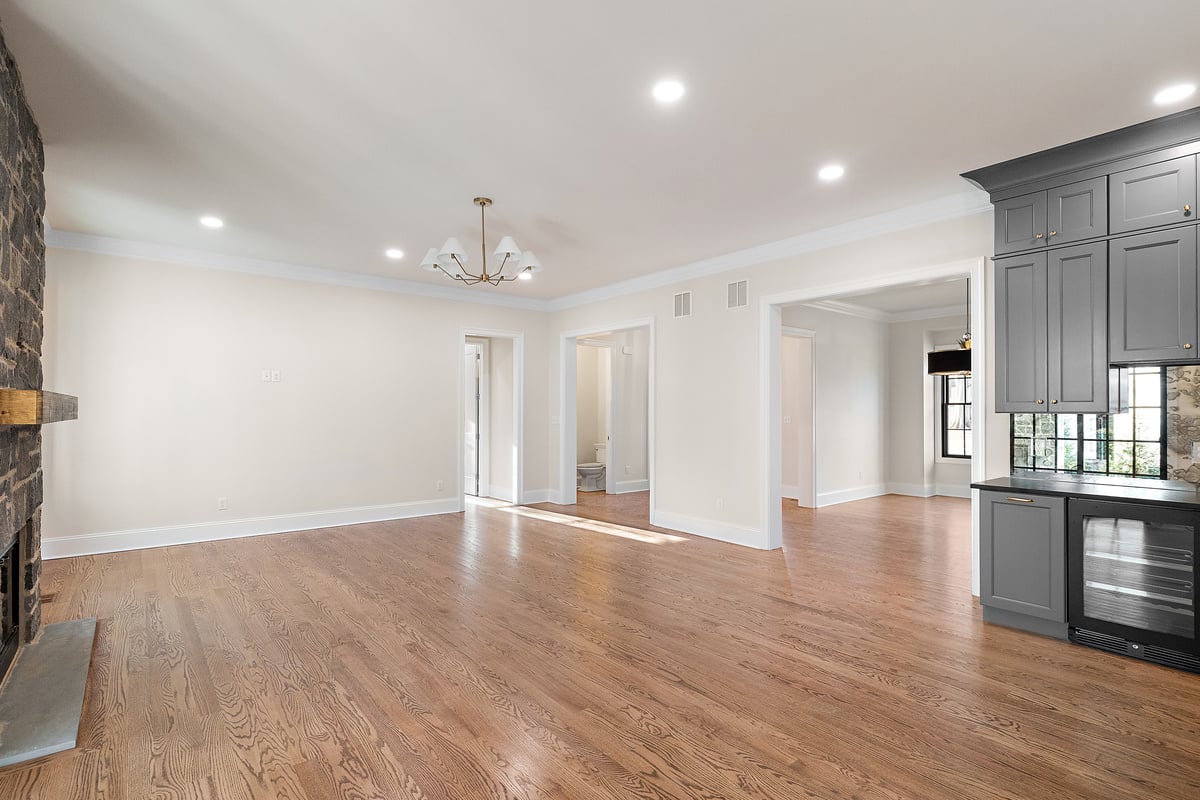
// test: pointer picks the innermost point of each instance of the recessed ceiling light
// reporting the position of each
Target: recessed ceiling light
(831, 172)
(1173, 94)
(668, 91)
(212, 222)
(393, 253)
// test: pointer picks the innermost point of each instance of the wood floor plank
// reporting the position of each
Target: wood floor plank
(578, 652)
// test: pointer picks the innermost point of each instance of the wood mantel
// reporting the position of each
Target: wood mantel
(35, 407)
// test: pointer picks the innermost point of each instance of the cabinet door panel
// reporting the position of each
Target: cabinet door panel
(1077, 329)
(1157, 194)
(1077, 211)
(1019, 221)
(1021, 333)
(1023, 554)
(1152, 292)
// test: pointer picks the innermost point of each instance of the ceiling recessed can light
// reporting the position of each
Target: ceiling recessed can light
(668, 91)
(210, 221)
(831, 172)
(393, 253)
(1173, 94)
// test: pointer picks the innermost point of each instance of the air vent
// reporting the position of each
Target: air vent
(736, 295)
(683, 305)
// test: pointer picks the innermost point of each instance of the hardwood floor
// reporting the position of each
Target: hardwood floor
(500, 654)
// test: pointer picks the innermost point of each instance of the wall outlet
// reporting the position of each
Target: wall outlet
(628, 469)
(720, 503)
(440, 485)
(276, 376)
(222, 504)
(787, 420)
(266, 376)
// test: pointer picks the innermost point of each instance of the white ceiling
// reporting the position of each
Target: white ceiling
(938, 296)
(324, 132)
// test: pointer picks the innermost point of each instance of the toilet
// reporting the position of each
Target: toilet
(590, 475)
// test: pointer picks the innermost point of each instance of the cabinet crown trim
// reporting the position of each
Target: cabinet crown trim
(1145, 137)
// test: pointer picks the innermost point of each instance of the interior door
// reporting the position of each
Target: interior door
(471, 380)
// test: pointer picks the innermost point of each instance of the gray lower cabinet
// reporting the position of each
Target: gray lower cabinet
(1157, 194)
(1153, 297)
(1052, 331)
(1061, 215)
(1022, 542)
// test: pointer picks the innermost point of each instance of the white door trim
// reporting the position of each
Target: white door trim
(805, 333)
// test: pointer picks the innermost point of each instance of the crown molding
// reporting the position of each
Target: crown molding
(887, 317)
(126, 248)
(952, 207)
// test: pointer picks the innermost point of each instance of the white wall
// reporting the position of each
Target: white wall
(591, 401)
(850, 404)
(796, 412)
(166, 360)
(914, 463)
(708, 368)
(500, 418)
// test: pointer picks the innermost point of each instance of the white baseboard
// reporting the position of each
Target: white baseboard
(911, 489)
(953, 490)
(624, 487)
(87, 544)
(850, 495)
(538, 496)
(709, 528)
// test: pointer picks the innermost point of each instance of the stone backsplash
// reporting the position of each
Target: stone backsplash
(22, 286)
(1183, 422)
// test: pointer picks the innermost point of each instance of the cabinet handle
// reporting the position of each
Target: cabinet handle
(1187, 345)
(1053, 402)
(1039, 236)
(1019, 499)
(1187, 209)
(1054, 233)
(1041, 402)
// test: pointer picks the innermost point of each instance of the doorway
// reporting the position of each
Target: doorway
(492, 418)
(624, 353)
(848, 395)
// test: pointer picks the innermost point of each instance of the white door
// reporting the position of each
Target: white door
(796, 407)
(471, 389)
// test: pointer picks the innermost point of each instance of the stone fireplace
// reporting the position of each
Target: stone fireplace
(22, 283)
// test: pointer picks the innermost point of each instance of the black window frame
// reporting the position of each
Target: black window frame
(944, 418)
(1104, 438)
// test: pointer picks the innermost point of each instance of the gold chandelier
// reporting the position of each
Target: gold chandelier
(451, 260)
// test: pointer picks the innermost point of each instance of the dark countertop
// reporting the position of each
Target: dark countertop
(1165, 493)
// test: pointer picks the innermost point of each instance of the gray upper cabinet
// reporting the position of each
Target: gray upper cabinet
(1022, 544)
(1077, 211)
(1057, 216)
(1077, 329)
(1021, 223)
(1021, 333)
(1157, 194)
(1152, 290)
(1052, 331)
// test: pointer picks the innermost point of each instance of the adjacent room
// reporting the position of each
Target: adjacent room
(537, 400)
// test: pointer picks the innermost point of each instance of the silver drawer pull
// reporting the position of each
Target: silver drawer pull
(1019, 499)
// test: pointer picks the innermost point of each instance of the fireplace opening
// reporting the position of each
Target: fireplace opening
(10, 605)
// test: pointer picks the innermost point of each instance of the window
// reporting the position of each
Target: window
(956, 416)
(1131, 443)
